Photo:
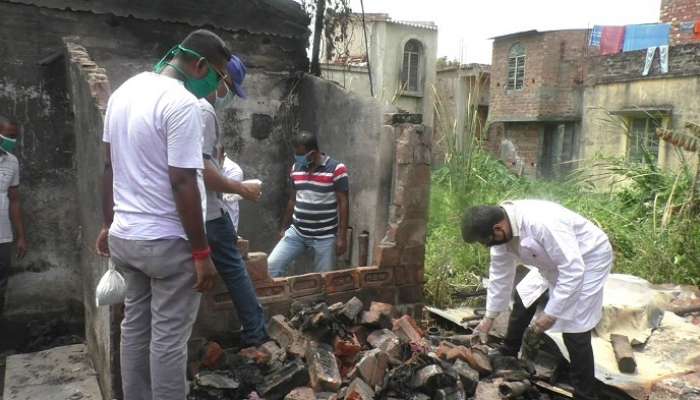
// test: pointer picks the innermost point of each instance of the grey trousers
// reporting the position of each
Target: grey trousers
(159, 311)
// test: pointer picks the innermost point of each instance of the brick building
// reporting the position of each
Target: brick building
(681, 14)
(535, 99)
(555, 101)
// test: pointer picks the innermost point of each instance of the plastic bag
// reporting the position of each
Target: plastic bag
(111, 289)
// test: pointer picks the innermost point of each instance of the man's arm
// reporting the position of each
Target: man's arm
(287, 216)
(16, 219)
(188, 202)
(102, 246)
(501, 279)
(216, 182)
(343, 214)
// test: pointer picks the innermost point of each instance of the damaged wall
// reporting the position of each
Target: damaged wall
(89, 90)
(36, 95)
(53, 101)
(349, 128)
(615, 85)
(396, 272)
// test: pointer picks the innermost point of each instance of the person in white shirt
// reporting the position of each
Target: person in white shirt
(233, 171)
(574, 258)
(153, 227)
(10, 209)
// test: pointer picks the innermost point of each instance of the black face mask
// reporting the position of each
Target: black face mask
(493, 242)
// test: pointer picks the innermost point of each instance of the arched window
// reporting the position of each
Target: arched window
(411, 68)
(516, 67)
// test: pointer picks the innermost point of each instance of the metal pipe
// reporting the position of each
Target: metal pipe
(512, 390)
(363, 248)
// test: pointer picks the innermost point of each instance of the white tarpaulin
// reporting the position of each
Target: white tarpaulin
(632, 307)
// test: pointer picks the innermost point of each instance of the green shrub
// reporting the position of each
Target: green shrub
(654, 236)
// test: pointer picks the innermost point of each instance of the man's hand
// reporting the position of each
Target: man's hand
(484, 328)
(102, 243)
(21, 247)
(251, 191)
(341, 245)
(206, 274)
(543, 323)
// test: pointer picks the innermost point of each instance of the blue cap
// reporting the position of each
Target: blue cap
(236, 70)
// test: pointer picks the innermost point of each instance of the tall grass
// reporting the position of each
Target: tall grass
(643, 212)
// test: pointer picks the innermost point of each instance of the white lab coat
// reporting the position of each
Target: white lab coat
(573, 256)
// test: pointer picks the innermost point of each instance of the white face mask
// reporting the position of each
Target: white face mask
(222, 102)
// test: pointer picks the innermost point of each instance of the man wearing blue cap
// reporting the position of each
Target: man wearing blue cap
(220, 230)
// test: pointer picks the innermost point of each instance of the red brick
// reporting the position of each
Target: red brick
(409, 275)
(277, 290)
(410, 294)
(305, 285)
(413, 255)
(302, 393)
(375, 277)
(243, 246)
(256, 264)
(341, 281)
(213, 356)
(387, 255)
(407, 329)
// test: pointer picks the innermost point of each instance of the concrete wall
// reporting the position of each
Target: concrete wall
(554, 70)
(36, 95)
(352, 78)
(349, 128)
(456, 90)
(676, 12)
(614, 85)
(386, 41)
(600, 136)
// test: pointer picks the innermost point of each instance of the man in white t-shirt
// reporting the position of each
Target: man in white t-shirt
(10, 210)
(153, 223)
(233, 171)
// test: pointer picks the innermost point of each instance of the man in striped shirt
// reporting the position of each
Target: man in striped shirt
(317, 209)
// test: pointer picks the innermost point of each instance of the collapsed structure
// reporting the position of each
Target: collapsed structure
(58, 90)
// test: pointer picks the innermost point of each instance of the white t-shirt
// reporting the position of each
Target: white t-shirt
(152, 122)
(9, 177)
(232, 171)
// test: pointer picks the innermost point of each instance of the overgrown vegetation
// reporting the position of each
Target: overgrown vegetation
(644, 210)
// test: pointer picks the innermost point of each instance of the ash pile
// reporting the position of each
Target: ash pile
(347, 351)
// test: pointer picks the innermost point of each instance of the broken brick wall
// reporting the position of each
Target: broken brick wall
(270, 36)
(89, 90)
(682, 15)
(396, 271)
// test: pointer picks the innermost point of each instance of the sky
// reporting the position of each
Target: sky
(465, 26)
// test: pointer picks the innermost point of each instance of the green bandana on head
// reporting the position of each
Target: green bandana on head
(198, 87)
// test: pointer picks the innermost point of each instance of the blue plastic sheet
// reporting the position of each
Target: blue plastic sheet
(596, 34)
(641, 37)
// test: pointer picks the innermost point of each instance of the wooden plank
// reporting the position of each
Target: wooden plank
(623, 353)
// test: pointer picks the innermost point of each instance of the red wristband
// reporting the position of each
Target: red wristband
(201, 254)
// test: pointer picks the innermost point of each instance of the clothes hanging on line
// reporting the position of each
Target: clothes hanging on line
(644, 36)
(663, 59)
(612, 39)
(596, 34)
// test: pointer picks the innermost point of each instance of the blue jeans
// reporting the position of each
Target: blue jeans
(293, 245)
(228, 261)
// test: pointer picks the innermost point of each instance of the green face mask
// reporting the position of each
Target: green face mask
(198, 87)
(7, 144)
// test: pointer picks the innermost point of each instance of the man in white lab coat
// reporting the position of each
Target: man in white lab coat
(574, 258)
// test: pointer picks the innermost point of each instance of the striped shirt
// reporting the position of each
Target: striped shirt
(316, 208)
